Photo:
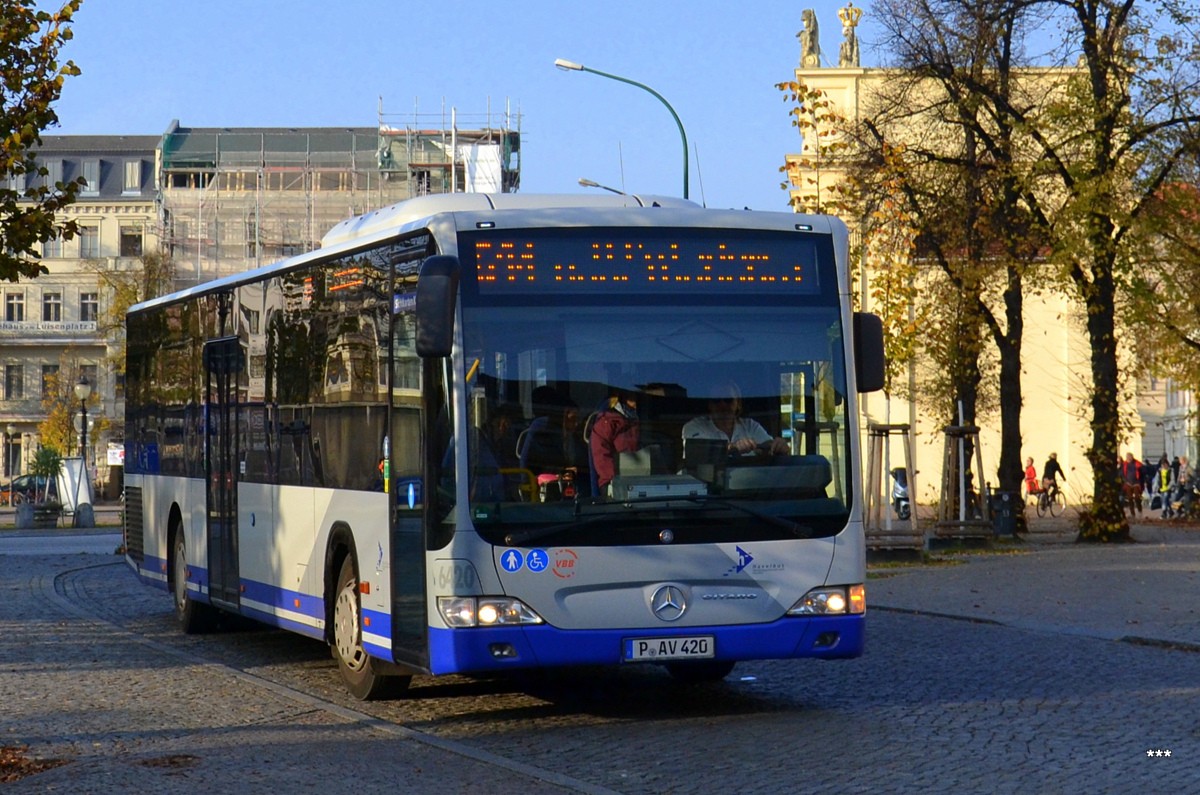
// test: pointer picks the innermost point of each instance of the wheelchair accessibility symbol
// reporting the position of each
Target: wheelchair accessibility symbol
(537, 560)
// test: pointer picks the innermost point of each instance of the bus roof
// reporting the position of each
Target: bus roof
(378, 225)
(401, 213)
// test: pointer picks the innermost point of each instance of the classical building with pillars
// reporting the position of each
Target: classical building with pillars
(1055, 353)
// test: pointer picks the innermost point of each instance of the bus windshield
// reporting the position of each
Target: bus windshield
(617, 415)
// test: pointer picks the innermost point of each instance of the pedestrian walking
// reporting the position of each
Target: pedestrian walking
(1131, 475)
(1164, 481)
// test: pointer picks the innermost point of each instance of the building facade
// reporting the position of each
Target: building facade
(53, 330)
(212, 201)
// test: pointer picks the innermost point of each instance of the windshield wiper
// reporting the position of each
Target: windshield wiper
(709, 500)
(702, 501)
(612, 512)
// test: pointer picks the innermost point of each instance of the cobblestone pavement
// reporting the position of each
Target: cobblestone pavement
(1047, 688)
(133, 714)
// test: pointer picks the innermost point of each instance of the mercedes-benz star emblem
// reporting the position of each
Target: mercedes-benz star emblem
(668, 602)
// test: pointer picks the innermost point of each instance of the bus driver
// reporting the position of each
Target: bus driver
(744, 435)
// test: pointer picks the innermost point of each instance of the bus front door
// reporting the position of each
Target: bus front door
(222, 363)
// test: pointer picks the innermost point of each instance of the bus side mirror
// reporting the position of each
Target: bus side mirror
(868, 351)
(437, 294)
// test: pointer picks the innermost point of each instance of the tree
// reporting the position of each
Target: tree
(960, 180)
(61, 407)
(1087, 161)
(1164, 304)
(31, 80)
(1124, 131)
(154, 276)
(828, 144)
(47, 463)
(930, 160)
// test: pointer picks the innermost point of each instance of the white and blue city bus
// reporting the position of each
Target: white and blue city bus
(342, 444)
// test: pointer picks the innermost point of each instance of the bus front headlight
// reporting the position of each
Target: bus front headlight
(832, 601)
(485, 611)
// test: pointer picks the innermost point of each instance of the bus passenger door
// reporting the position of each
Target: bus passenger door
(222, 363)
(409, 489)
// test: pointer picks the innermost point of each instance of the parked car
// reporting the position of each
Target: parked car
(27, 488)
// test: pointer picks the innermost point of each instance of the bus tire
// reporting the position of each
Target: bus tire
(359, 671)
(194, 618)
(693, 673)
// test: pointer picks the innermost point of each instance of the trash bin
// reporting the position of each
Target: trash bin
(1004, 512)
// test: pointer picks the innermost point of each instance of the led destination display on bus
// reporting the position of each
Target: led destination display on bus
(636, 261)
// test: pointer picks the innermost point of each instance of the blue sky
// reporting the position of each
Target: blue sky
(236, 63)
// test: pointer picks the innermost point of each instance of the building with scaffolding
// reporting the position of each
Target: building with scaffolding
(240, 197)
(216, 201)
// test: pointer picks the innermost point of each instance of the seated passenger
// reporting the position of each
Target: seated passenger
(614, 431)
(495, 461)
(557, 448)
(744, 436)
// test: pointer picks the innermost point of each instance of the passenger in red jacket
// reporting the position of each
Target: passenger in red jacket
(615, 430)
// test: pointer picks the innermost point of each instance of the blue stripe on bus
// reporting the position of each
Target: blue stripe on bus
(283, 599)
(466, 650)
(377, 623)
(152, 572)
(272, 620)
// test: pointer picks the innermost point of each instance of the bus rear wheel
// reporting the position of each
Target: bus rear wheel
(193, 617)
(359, 671)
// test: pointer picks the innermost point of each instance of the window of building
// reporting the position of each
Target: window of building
(131, 240)
(54, 172)
(49, 379)
(89, 242)
(53, 248)
(14, 307)
(91, 175)
(52, 307)
(14, 382)
(92, 373)
(89, 307)
(133, 177)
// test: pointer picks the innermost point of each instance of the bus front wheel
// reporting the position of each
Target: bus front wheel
(359, 671)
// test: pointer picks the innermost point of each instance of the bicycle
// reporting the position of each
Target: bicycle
(1050, 500)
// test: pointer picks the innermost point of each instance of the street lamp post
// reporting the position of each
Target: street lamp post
(571, 66)
(83, 391)
(9, 463)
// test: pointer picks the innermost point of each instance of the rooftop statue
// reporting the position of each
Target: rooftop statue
(848, 52)
(810, 46)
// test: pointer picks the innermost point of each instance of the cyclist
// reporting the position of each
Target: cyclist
(1049, 472)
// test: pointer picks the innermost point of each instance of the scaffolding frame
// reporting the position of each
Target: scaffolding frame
(232, 199)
